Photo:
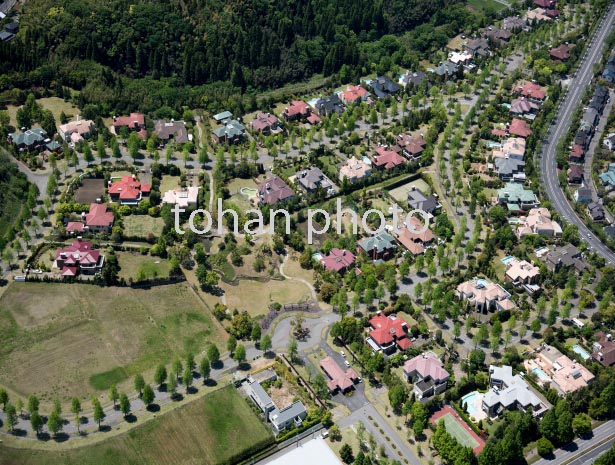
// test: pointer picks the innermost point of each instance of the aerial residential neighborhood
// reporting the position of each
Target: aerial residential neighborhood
(299, 232)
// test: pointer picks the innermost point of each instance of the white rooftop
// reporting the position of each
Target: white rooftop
(312, 452)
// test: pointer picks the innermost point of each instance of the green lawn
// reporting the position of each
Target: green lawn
(168, 183)
(218, 429)
(62, 340)
(141, 226)
(486, 4)
(135, 264)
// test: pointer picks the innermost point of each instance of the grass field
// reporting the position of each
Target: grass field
(241, 200)
(55, 104)
(255, 297)
(214, 430)
(142, 225)
(486, 4)
(400, 194)
(64, 340)
(133, 264)
(169, 183)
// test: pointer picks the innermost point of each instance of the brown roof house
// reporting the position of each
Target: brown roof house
(604, 349)
(274, 190)
(561, 53)
(265, 123)
(175, 130)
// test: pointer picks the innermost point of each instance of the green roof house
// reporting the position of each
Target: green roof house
(29, 140)
(378, 247)
(608, 178)
(232, 132)
(516, 198)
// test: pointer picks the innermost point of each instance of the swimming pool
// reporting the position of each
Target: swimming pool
(541, 374)
(473, 402)
(248, 191)
(317, 256)
(508, 259)
(581, 351)
(493, 144)
(367, 161)
(481, 281)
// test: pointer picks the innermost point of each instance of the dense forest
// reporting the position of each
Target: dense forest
(17, 198)
(183, 50)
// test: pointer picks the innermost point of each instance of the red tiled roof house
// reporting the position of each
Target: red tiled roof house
(338, 260)
(338, 378)
(79, 258)
(388, 333)
(128, 191)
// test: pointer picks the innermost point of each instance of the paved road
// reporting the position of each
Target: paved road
(566, 454)
(402, 452)
(560, 127)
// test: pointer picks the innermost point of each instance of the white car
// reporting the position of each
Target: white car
(347, 363)
(37, 272)
(342, 353)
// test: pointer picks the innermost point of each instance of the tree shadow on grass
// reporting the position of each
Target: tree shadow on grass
(210, 382)
(44, 436)
(244, 366)
(104, 428)
(191, 390)
(153, 408)
(19, 432)
(130, 418)
(61, 437)
(218, 365)
(177, 397)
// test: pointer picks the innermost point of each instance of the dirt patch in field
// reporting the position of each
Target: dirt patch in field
(90, 190)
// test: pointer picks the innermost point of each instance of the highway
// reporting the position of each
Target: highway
(560, 127)
(584, 451)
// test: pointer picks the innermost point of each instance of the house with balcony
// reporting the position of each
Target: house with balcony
(135, 122)
(427, 374)
(128, 190)
(485, 295)
(516, 198)
(380, 246)
(538, 221)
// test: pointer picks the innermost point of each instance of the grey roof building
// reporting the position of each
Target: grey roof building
(565, 256)
(379, 246)
(383, 87)
(329, 105)
(414, 79)
(510, 392)
(591, 116)
(293, 415)
(446, 69)
(312, 179)
(510, 169)
(419, 201)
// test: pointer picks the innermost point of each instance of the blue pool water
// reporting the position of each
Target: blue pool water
(505, 260)
(471, 401)
(492, 144)
(581, 351)
(317, 256)
(482, 281)
(541, 374)
(367, 161)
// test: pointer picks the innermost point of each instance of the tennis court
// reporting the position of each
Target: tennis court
(457, 428)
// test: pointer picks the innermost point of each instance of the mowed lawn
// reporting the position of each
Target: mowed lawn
(133, 264)
(142, 225)
(217, 429)
(64, 340)
(255, 297)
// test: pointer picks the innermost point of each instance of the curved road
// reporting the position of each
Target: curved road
(560, 127)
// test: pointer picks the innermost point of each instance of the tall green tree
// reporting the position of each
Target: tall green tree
(148, 395)
(76, 410)
(124, 404)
